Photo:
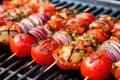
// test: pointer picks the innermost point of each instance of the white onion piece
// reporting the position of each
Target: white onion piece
(39, 33)
(62, 37)
(113, 50)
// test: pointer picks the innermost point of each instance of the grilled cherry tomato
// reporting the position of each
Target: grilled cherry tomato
(47, 9)
(21, 44)
(68, 57)
(99, 34)
(55, 24)
(116, 70)
(96, 66)
(42, 52)
(88, 17)
(31, 7)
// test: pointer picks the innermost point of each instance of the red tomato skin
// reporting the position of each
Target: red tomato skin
(21, 44)
(99, 34)
(47, 9)
(31, 7)
(64, 65)
(39, 52)
(88, 17)
(99, 69)
(55, 24)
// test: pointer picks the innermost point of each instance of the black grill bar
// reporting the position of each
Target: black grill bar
(40, 74)
(29, 72)
(9, 67)
(2, 56)
(60, 4)
(53, 75)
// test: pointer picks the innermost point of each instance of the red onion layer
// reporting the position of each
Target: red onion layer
(112, 49)
(39, 33)
(62, 37)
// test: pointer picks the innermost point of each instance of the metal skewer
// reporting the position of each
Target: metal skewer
(50, 66)
(10, 57)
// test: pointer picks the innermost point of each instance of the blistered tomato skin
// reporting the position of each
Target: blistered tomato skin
(21, 44)
(42, 53)
(88, 17)
(96, 67)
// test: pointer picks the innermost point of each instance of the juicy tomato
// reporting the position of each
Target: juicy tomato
(68, 58)
(47, 9)
(116, 70)
(96, 66)
(32, 8)
(88, 17)
(21, 44)
(42, 52)
(99, 34)
(55, 24)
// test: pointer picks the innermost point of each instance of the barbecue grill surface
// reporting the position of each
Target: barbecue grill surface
(15, 69)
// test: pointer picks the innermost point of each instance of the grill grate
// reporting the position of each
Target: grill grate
(15, 69)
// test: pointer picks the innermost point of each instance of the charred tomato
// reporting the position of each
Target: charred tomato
(96, 66)
(21, 44)
(42, 52)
